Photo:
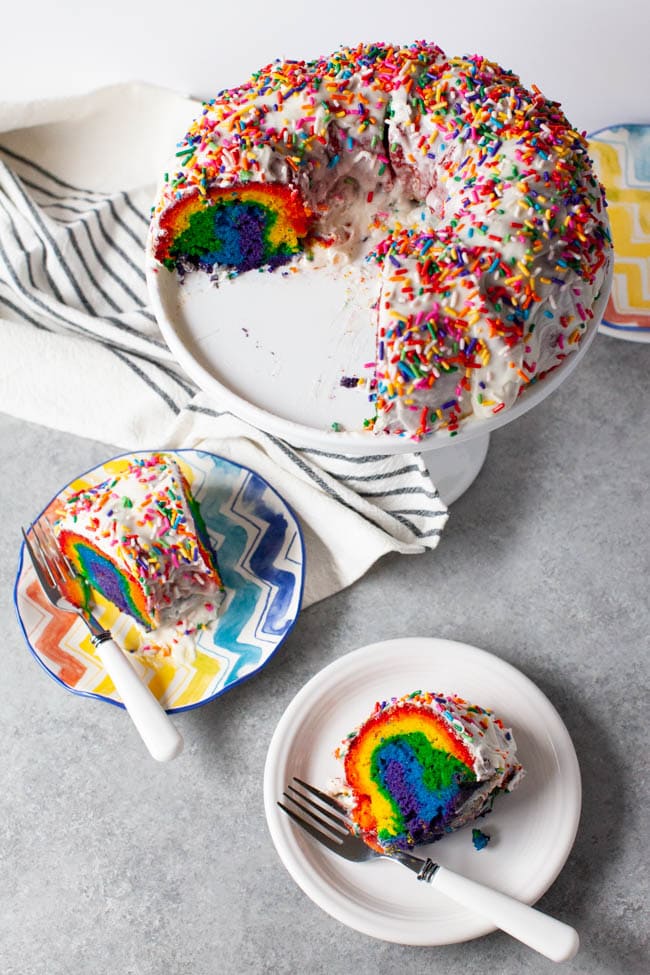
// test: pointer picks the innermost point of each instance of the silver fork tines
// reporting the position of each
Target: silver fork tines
(337, 825)
(47, 558)
(326, 821)
(54, 570)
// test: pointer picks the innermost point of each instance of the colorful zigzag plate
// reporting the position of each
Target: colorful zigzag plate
(260, 550)
(622, 157)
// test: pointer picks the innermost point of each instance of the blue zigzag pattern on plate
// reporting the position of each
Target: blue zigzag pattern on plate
(255, 540)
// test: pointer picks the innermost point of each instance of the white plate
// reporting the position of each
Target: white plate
(273, 348)
(532, 830)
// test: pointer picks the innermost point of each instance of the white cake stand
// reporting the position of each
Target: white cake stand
(274, 348)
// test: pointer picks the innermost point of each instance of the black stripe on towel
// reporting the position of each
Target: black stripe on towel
(139, 241)
(111, 242)
(21, 246)
(138, 213)
(63, 203)
(431, 533)
(111, 273)
(99, 200)
(362, 459)
(57, 196)
(34, 300)
(384, 475)
(421, 513)
(433, 495)
(147, 380)
(291, 454)
(45, 172)
(56, 250)
(23, 314)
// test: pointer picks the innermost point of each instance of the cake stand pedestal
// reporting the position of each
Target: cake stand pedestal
(454, 468)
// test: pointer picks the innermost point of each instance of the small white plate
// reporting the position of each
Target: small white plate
(532, 830)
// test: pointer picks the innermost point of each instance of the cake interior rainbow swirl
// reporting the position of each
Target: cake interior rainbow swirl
(423, 765)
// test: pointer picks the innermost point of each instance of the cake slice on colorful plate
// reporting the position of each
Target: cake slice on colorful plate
(138, 539)
(423, 765)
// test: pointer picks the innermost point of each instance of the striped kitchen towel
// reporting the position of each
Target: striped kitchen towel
(82, 351)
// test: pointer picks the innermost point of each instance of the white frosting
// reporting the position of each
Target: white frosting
(493, 749)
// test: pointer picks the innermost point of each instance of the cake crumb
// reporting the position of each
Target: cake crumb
(480, 839)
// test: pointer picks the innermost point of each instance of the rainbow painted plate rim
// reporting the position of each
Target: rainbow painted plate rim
(532, 830)
(264, 618)
(632, 332)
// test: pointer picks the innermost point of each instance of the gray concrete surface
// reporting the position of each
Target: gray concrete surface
(113, 864)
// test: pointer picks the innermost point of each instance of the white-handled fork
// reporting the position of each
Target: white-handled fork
(329, 823)
(55, 574)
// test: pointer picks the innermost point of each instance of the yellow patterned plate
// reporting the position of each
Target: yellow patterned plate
(621, 154)
(260, 551)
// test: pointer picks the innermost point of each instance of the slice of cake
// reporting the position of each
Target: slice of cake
(423, 765)
(138, 539)
(262, 224)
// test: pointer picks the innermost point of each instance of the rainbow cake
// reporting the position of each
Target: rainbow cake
(423, 765)
(139, 541)
(463, 202)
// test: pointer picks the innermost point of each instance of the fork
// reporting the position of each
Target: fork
(55, 573)
(329, 822)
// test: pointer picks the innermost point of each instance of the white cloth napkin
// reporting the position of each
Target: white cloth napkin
(81, 351)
